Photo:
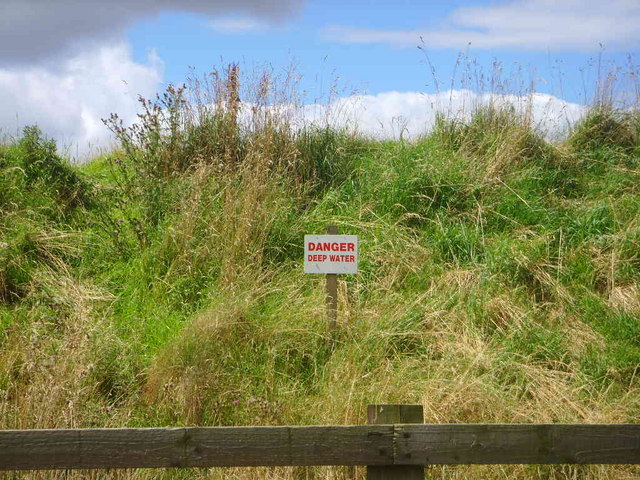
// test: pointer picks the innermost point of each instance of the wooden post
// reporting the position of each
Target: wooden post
(392, 414)
(332, 290)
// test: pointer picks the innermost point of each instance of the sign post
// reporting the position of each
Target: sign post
(331, 254)
(332, 290)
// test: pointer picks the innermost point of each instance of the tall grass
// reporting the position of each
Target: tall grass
(499, 276)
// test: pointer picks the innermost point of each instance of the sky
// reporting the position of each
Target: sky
(66, 64)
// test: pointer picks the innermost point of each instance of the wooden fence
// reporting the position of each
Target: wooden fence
(395, 444)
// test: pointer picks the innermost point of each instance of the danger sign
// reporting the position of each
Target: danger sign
(330, 254)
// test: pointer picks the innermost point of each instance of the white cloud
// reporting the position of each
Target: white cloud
(411, 114)
(34, 30)
(69, 102)
(572, 25)
(233, 25)
(394, 115)
(64, 64)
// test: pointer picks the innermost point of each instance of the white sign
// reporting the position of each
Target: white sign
(330, 254)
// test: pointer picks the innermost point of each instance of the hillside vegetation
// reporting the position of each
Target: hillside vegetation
(162, 284)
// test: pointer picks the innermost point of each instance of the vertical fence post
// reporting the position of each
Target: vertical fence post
(390, 414)
(332, 290)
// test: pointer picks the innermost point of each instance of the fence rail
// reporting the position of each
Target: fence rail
(374, 445)
(197, 447)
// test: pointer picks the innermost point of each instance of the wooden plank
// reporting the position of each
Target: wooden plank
(100, 448)
(372, 445)
(391, 413)
(195, 447)
(524, 443)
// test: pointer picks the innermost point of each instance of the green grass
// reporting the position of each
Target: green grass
(499, 280)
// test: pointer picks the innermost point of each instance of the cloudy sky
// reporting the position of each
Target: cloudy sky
(65, 64)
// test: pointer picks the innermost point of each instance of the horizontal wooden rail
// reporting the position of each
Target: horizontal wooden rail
(196, 447)
(517, 443)
(399, 444)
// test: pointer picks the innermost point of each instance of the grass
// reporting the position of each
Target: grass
(162, 285)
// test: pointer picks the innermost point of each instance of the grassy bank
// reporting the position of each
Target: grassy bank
(162, 284)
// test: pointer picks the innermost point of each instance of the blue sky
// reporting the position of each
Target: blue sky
(66, 65)
(201, 42)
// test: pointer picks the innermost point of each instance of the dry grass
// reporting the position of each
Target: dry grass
(469, 302)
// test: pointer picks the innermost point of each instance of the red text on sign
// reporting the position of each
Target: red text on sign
(342, 258)
(332, 258)
(332, 247)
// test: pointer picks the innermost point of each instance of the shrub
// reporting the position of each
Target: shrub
(45, 170)
(604, 126)
(497, 135)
